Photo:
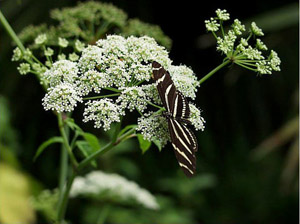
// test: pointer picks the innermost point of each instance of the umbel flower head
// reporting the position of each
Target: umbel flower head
(100, 185)
(246, 53)
(115, 76)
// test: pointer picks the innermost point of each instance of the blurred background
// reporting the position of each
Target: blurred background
(248, 159)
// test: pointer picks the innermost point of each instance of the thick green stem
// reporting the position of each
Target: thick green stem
(63, 203)
(63, 170)
(11, 32)
(66, 141)
(214, 71)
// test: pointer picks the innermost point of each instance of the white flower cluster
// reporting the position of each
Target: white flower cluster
(133, 98)
(103, 112)
(195, 118)
(154, 128)
(98, 183)
(61, 71)
(123, 65)
(185, 80)
(62, 97)
(241, 52)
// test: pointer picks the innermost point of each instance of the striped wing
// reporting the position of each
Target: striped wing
(180, 108)
(183, 140)
(185, 145)
(165, 86)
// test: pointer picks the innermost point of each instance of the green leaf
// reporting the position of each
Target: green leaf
(144, 144)
(92, 140)
(71, 123)
(45, 144)
(158, 144)
(86, 149)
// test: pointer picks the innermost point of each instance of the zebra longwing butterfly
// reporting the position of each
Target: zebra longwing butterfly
(177, 114)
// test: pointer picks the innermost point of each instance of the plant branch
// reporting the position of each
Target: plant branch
(214, 71)
(11, 32)
(66, 141)
(100, 97)
(63, 203)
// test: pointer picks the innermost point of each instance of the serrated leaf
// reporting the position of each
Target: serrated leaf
(144, 144)
(92, 140)
(45, 144)
(86, 149)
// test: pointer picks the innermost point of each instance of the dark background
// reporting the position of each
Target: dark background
(241, 111)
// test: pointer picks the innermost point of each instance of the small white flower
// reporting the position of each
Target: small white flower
(238, 27)
(133, 98)
(61, 71)
(61, 57)
(39, 68)
(24, 68)
(90, 58)
(244, 42)
(96, 183)
(92, 80)
(185, 80)
(195, 118)
(61, 98)
(226, 44)
(253, 53)
(62, 42)
(154, 128)
(222, 14)
(17, 54)
(256, 30)
(48, 52)
(79, 46)
(212, 25)
(73, 57)
(27, 54)
(103, 112)
(260, 45)
(263, 67)
(40, 39)
(275, 61)
(152, 93)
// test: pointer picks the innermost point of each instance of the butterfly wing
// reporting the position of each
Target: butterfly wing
(165, 86)
(185, 146)
(183, 140)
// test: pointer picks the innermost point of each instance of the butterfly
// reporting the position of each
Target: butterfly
(177, 114)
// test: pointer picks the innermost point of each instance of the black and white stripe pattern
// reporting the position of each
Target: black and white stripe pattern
(177, 113)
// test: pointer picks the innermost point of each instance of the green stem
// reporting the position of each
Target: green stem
(246, 67)
(222, 29)
(215, 35)
(250, 35)
(63, 203)
(18, 42)
(91, 157)
(214, 71)
(100, 97)
(103, 150)
(113, 89)
(103, 214)
(66, 141)
(11, 32)
(63, 167)
(154, 105)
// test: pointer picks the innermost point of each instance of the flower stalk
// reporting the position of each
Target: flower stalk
(202, 80)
